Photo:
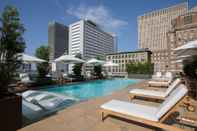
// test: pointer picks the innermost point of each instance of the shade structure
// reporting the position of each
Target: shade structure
(30, 59)
(110, 64)
(178, 61)
(189, 45)
(94, 61)
(69, 59)
(191, 52)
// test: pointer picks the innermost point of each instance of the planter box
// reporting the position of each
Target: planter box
(139, 76)
(10, 113)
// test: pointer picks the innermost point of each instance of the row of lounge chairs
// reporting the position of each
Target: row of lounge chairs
(172, 97)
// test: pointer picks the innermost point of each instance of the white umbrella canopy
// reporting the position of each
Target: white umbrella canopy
(30, 59)
(178, 61)
(191, 52)
(110, 64)
(69, 59)
(94, 61)
(189, 45)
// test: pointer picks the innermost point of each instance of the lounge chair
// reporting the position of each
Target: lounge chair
(149, 115)
(163, 81)
(155, 94)
(25, 78)
(157, 75)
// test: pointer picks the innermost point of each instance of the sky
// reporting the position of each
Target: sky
(117, 16)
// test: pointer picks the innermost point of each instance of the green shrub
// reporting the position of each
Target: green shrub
(139, 68)
(77, 69)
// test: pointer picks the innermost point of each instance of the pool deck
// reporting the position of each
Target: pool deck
(85, 116)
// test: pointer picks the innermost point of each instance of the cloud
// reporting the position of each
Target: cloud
(99, 14)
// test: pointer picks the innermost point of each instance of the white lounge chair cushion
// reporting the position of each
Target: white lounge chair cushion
(27, 93)
(156, 93)
(131, 109)
(157, 75)
(168, 75)
(40, 97)
(159, 83)
(148, 92)
(172, 86)
(30, 106)
(172, 99)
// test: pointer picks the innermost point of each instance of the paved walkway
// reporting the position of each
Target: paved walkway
(85, 116)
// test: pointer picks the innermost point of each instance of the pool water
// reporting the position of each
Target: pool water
(93, 89)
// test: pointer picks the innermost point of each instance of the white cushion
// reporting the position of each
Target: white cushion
(148, 92)
(40, 97)
(172, 99)
(159, 83)
(27, 93)
(168, 75)
(172, 86)
(131, 109)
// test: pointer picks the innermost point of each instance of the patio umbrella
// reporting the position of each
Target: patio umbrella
(178, 61)
(189, 45)
(94, 61)
(69, 59)
(110, 64)
(188, 49)
(30, 59)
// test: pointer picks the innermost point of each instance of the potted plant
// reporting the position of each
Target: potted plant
(11, 44)
(190, 70)
(77, 69)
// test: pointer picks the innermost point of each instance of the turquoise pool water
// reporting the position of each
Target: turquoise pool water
(93, 89)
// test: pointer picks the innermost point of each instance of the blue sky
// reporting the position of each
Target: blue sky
(119, 16)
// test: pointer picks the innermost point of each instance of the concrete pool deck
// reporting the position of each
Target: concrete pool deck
(85, 116)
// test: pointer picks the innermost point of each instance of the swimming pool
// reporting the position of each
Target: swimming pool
(92, 89)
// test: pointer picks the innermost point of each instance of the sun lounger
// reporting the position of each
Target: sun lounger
(152, 116)
(157, 75)
(154, 93)
(159, 83)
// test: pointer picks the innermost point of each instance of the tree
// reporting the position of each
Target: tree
(43, 53)
(190, 68)
(77, 69)
(11, 44)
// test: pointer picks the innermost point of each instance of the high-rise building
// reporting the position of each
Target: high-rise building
(152, 33)
(57, 39)
(88, 39)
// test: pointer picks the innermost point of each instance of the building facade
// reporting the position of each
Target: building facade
(152, 33)
(57, 39)
(184, 29)
(88, 39)
(123, 58)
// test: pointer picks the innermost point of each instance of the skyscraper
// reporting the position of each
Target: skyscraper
(57, 39)
(88, 39)
(152, 33)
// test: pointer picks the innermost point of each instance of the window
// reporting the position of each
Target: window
(188, 19)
